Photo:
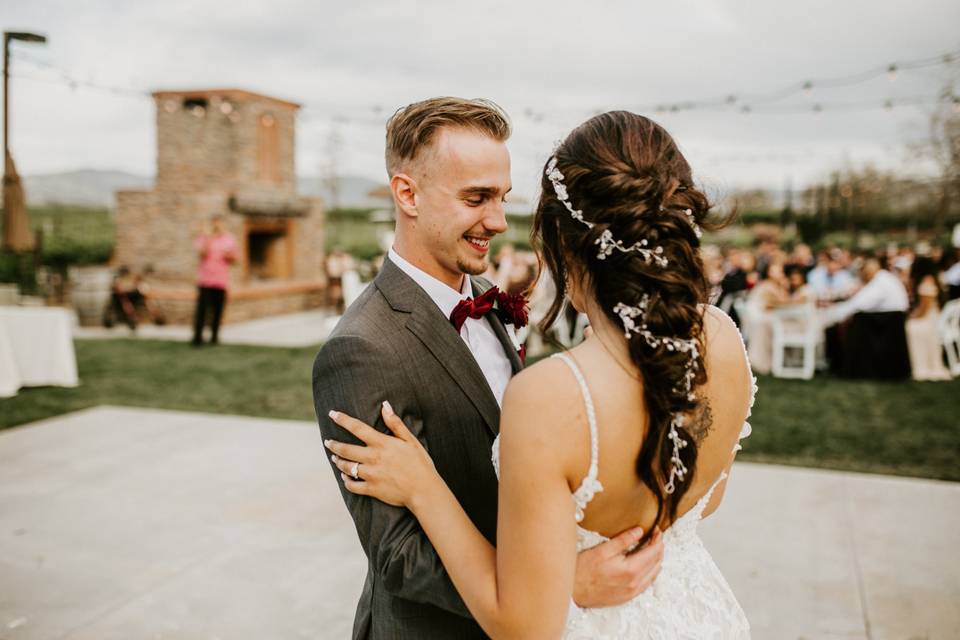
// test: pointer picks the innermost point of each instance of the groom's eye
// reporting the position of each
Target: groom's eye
(476, 202)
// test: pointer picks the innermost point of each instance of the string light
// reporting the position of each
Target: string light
(748, 103)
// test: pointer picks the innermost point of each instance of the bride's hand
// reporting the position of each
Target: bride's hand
(395, 469)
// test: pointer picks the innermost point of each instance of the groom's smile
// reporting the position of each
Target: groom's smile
(480, 245)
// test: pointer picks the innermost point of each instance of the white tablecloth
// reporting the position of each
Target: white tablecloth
(36, 349)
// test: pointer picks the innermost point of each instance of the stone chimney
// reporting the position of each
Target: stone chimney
(224, 139)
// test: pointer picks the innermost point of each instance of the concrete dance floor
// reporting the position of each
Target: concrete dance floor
(129, 524)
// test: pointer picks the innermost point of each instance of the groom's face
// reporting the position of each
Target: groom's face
(464, 179)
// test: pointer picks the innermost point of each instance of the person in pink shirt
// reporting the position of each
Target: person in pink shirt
(217, 250)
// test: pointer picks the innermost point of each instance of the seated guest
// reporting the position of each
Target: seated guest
(770, 293)
(802, 257)
(829, 280)
(882, 291)
(923, 330)
(874, 342)
(141, 298)
(800, 291)
(120, 306)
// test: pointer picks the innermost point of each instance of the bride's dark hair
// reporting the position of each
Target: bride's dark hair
(626, 174)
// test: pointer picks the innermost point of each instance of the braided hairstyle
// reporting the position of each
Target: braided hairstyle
(626, 174)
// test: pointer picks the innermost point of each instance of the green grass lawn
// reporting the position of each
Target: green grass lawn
(903, 428)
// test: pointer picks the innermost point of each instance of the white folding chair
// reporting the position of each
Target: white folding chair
(950, 335)
(795, 327)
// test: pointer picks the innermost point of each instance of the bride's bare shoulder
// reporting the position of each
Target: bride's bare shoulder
(547, 384)
(723, 339)
(544, 402)
(726, 358)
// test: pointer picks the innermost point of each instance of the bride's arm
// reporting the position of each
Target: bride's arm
(523, 588)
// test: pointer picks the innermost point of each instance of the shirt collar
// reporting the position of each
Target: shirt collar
(444, 297)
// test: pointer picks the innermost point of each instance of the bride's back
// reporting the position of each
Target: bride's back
(621, 414)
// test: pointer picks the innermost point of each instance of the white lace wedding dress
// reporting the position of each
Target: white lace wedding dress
(690, 599)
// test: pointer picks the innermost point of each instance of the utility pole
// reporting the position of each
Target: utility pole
(16, 227)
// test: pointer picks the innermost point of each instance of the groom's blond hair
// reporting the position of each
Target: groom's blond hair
(413, 128)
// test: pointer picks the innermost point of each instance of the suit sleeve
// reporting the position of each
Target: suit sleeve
(351, 375)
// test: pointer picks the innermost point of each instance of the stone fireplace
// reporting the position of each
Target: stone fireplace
(267, 248)
(231, 152)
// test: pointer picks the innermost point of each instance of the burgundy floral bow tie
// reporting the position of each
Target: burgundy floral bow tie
(474, 308)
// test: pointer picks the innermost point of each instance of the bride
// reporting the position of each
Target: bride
(638, 425)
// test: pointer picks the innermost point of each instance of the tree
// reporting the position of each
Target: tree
(942, 148)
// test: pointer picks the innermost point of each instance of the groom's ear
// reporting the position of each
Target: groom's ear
(404, 189)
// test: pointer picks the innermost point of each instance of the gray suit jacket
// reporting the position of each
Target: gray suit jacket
(394, 344)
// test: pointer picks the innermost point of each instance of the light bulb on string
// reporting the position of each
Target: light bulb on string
(892, 72)
(888, 105)
(818, 111)
(808, 88)
(956, 104)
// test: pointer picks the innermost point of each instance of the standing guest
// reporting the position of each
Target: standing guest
(336, 264)
(923, 334)
(217, 250)
(504, 267)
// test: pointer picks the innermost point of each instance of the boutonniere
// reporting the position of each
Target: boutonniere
(512, 309)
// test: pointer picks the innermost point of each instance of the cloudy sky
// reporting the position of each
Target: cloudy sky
(549, 64)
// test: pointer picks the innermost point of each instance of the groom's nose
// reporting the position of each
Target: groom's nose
(495, 220)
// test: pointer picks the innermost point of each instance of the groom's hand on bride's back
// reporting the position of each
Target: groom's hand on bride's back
(607, 576)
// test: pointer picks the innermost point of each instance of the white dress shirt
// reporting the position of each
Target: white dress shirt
(477, 334)
(884, 292)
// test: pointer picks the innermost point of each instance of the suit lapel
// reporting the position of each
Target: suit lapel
(436, 333)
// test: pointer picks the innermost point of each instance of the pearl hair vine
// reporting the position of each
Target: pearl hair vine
(634, 319)
(606, 240)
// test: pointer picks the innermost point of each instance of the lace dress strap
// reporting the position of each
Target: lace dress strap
(590, 486)
(746, 429)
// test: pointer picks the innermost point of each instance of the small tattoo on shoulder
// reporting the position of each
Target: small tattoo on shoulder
(703, 423)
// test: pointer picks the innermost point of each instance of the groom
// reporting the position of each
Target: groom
(449, 173)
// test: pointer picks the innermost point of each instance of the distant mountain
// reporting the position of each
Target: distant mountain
(84, 187)
(95, 188)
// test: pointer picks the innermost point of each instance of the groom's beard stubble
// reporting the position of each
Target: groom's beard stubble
(475, 269)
